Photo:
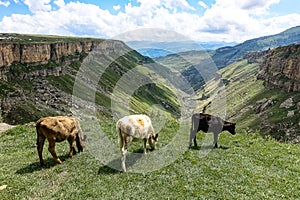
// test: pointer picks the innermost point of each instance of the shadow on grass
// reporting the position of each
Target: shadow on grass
(49, 162)
(207, 147)
(114, 167)
(223, 147)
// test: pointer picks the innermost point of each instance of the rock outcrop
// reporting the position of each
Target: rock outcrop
(255, 56)
(34, 54)
(281, 68)
(41, 53)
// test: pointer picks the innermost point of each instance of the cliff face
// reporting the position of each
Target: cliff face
(41, 52)
(281, 68)
(22, 60)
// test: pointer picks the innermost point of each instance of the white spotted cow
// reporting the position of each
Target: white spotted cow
(132, 127)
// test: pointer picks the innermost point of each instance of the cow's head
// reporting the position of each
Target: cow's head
(153, 140)
(231, 128)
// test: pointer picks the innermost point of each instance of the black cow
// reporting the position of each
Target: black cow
(209, 123)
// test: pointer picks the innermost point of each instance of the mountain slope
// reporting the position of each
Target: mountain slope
(41, 81)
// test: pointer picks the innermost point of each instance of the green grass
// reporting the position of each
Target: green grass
(36, 38)
(245, 167)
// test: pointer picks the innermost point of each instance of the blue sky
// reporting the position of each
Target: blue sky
(204, 21)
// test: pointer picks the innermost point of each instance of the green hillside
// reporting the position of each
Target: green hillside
(246, 166)
(27, 98)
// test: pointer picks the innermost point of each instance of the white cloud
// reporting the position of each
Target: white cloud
(37, 6)
(4, 3)
(117, 7)
(226, 20)
(255, 7)
(175, 4)
(254, 4)
(233, 20)
(203, 5)
(59, 3)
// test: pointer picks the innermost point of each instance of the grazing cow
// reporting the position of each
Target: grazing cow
(58, 129)
(135, 126)
(205, 122)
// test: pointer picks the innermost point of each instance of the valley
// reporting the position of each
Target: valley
(98, 81)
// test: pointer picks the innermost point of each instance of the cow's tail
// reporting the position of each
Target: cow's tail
(192, 132)
(205, 107)
(38, 131)
(40, 140)
(118, 128)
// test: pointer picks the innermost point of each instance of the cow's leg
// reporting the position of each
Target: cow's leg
(123, 159)
(122, 149)
(193, 138)
(123, 152)
(40, 144)
(52, 151)
(145, 145)
(72, 149)
(215, 143)
(124, 144)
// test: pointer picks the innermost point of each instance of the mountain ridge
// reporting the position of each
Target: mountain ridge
(227, 55)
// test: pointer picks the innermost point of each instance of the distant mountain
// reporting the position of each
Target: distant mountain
(160, 49)
(227, 55)
(154, 53)
(216, 45)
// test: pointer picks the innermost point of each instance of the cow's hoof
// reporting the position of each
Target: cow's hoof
(193, 147)
(58, 161)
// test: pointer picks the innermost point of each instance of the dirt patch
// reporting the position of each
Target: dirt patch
(4, 127)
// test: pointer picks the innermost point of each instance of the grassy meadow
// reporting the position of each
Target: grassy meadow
(245, 166)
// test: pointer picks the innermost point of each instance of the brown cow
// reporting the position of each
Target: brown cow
(209, 123)
(58, 129)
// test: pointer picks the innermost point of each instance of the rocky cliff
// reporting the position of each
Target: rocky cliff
(40, 54)
(280, 68)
